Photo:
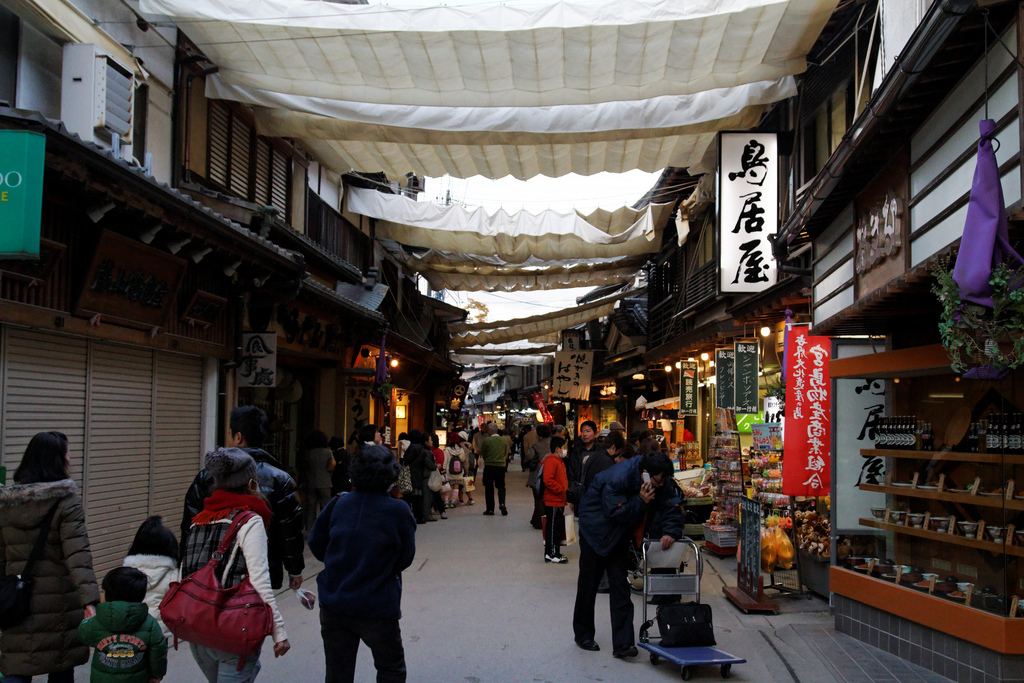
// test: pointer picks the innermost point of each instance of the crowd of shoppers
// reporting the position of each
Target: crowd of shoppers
(244, 511)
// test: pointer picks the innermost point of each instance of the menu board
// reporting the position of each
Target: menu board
(725, 381)
(746, 378)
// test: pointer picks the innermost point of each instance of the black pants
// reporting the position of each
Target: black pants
(538, 509)
(554, 531)
(341, 635)
(592, 567)
(494, 478)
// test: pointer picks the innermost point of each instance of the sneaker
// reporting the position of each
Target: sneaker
(557, 559)
(489, 512)
(469, 502)
(504, 511)
(444, 516)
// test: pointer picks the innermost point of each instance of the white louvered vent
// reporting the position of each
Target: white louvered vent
(97, 95)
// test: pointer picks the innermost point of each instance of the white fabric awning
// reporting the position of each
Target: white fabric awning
(511, 351)
(514, 238)
(502, 331)
(494, 55)
(421, 221)
(527, 281)
(500, 360)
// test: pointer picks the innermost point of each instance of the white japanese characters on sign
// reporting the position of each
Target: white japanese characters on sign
(747, 210)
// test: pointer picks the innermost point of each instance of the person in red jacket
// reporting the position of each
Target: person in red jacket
(556, 485)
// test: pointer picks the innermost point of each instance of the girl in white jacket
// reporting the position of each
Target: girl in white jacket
(154, 552)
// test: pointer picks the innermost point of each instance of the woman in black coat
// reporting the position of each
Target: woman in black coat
(421, 463)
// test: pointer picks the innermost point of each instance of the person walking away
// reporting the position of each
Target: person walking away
(439, 498)
(538, 450)
(494, 452)
(421, 462)
(555, 486)
(318, 464)
(469, 460)
(236, 489)
(617, 501)
(586, 446)
(454, 466)
(46, 641)
(510, 456)
(154, 552)
(529, 438)
(342, 455)
(128, 645)
(248, 426)
(365, 539)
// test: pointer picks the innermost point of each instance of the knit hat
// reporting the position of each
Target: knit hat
(454, 438)
(463, 435)
(231, 468)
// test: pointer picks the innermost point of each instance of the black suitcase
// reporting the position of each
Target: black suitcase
(686, 624)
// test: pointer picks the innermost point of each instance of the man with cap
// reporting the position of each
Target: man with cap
(617, 427)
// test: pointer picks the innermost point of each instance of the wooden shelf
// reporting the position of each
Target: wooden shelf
(962, 498)
(995, 632)
(914, 362)
(951, 539)
(955, 456)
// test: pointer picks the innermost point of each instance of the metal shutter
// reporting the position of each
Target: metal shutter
(261, 174)
(241, 139)
(44, 388)
(219, 136)
(178, 442)
(280, 184)
(120, 445)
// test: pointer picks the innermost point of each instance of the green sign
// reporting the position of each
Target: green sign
(688, 388)
(746, 378)
(22, 156)
(725, 387)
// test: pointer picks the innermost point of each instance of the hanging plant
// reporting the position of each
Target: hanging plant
(977, 336)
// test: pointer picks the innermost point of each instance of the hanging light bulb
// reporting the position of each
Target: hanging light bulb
(668, 368)
(704, 356)
(679, 365)
(765, 331)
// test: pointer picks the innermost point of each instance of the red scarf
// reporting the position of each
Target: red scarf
(224, 504)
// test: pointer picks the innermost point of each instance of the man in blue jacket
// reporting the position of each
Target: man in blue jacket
(618, 500)
(365, 539)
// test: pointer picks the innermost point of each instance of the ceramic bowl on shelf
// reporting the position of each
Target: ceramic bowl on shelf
(927, 576)
(916, 520)
(964, 585)
(928, 487)
(878, 513)
(939, 524)
(996, 533)
(898, 516)
(1018, 537)
(902, 484)
(969, 529)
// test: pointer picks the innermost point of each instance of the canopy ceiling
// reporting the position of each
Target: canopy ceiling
(499, 55)
(501, 331)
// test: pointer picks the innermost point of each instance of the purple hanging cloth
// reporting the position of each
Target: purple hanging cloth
(382, 363)
(985, 242)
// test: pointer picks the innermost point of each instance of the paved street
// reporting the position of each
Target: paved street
(481, 605)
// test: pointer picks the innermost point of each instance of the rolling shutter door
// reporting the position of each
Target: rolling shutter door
(178, 442)
(44, 389)
(120, 444)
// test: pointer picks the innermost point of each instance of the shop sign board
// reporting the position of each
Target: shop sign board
(130, 283)
(748, 181)
(773, 409)
(725, 388)
(22, 159)
(572, 375)
(572, 340)
(767, 436)
(688, 378)
(862, 405)
(258, 365)
(359, 406)
(745, 370)
(881, 229)
(808, 440)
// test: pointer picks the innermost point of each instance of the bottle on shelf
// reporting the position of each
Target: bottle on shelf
(983, 426)
(992, 442)
(928, 437)
(880, 432)
(972, 438)
(1014, 437)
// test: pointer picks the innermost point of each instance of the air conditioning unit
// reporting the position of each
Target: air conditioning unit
(97, 96)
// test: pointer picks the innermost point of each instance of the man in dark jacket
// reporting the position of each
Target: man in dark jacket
(284, 543)
(585, 448)
(616, 502)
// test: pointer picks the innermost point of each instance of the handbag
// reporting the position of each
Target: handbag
(405, 480)
(16, 591)
(570, 531)
(435, 482)
(200, 610)
(686, 624)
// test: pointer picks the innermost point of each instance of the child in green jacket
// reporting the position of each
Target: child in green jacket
(129, 646)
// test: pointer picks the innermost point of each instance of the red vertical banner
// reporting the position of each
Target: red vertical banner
(807, 465)
(542, 408)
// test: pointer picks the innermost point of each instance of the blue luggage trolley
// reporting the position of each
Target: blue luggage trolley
(671, 578)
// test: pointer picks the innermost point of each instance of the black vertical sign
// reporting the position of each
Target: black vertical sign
(746, 383)
(688, 388)
(725, 387)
